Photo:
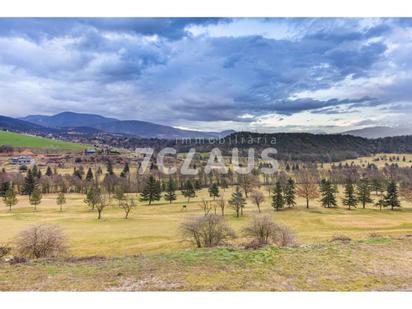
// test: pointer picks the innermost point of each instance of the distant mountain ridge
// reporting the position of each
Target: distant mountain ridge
(135, 128)
(380, 131)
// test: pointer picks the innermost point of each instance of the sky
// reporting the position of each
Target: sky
(256, 74)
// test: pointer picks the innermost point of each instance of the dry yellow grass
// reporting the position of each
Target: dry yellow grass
(153, 229)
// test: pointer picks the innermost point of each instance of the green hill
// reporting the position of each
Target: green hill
(30, 141)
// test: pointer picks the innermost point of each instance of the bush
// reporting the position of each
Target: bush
(265, 230)
(41, 241)
(207, 231)
(4, 250)
(343, 238)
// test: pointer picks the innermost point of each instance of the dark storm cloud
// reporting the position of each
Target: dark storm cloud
(158, 70)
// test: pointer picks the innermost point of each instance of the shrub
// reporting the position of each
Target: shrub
(40, 241)
(343, 238)
(207, 231)
(265, 230)
(4, 250)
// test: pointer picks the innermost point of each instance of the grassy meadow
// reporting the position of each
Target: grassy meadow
(155, 228)
(30, 141)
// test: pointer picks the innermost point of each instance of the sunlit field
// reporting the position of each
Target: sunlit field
(155, 228)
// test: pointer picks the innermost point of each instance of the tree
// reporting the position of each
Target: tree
(109, 168)
(151, 191)
(93, 197)
(61, 200)
(206, 207)
(290, 193)
(391, 198)
(328, 192)
(258, 198)
(376, 186)
(4, 187)
(237, 202)
(35, 198)
(49, 171)
(119, 194)
(89, 175)
(221, 203)
(350, 199)
(214, 190)
(247, 183)
(170, 194)
(363, 192)
(104, 201)
(127, 204)
(307, 187)
(125, 170)
(207, 231)
(10, 198)
(29, 183)
(277, 199)
(189, 191)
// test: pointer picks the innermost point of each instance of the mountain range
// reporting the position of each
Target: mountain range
(135, 128)
(380, 131)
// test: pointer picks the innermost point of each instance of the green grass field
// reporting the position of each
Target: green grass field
(29, 141)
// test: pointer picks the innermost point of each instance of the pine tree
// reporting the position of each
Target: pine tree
(125, 171)
(214, 190)
(35, 198)
(60, 200)
(391, 198)
(328, 192)
(89, 175)
(93, 196)
(277, 198)
(170, 194)
(290, 194)
(350, 199)
(4, 187)
(151, 191)
(49, 171)
(363, 192)
(29, 183)
(189, 190)
(237, 202)
(10, 198)
(109, 168)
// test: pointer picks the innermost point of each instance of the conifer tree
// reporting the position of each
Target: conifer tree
(363, 192)
(10, 198)
(151, 191)
(237, 202)
(290, 193)
(350, 199)
(109, 168)
(89, 175)
(189, 190)
(61, 200)
(49, 171)
(214, 190)
(125, 170)
(170, 194)
(29, 183)
(328, 192)
(391, 198)
(35, 198)
(277, 198)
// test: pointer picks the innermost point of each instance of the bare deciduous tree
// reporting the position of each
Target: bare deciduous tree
(258, 198)
(307, 186)
(127, 204)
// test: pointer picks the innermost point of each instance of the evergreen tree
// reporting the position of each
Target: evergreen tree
(170, 194)
(151, 191)
(363, 192)
(109, 168)
(197, 185)
(35, 198)
(93, 196)
(376, 186)
(328, 192)
(391, 198)
(60, 200)
(277, 198)
(237, 202)
(125, 171)
(214, 190)
(4, 187)
(29, 183)
(89, 175)
(290, 193)
(119, 195)
(77, 173)
(10, 198)
(49, 171)
(350, 199)
(189, 190)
